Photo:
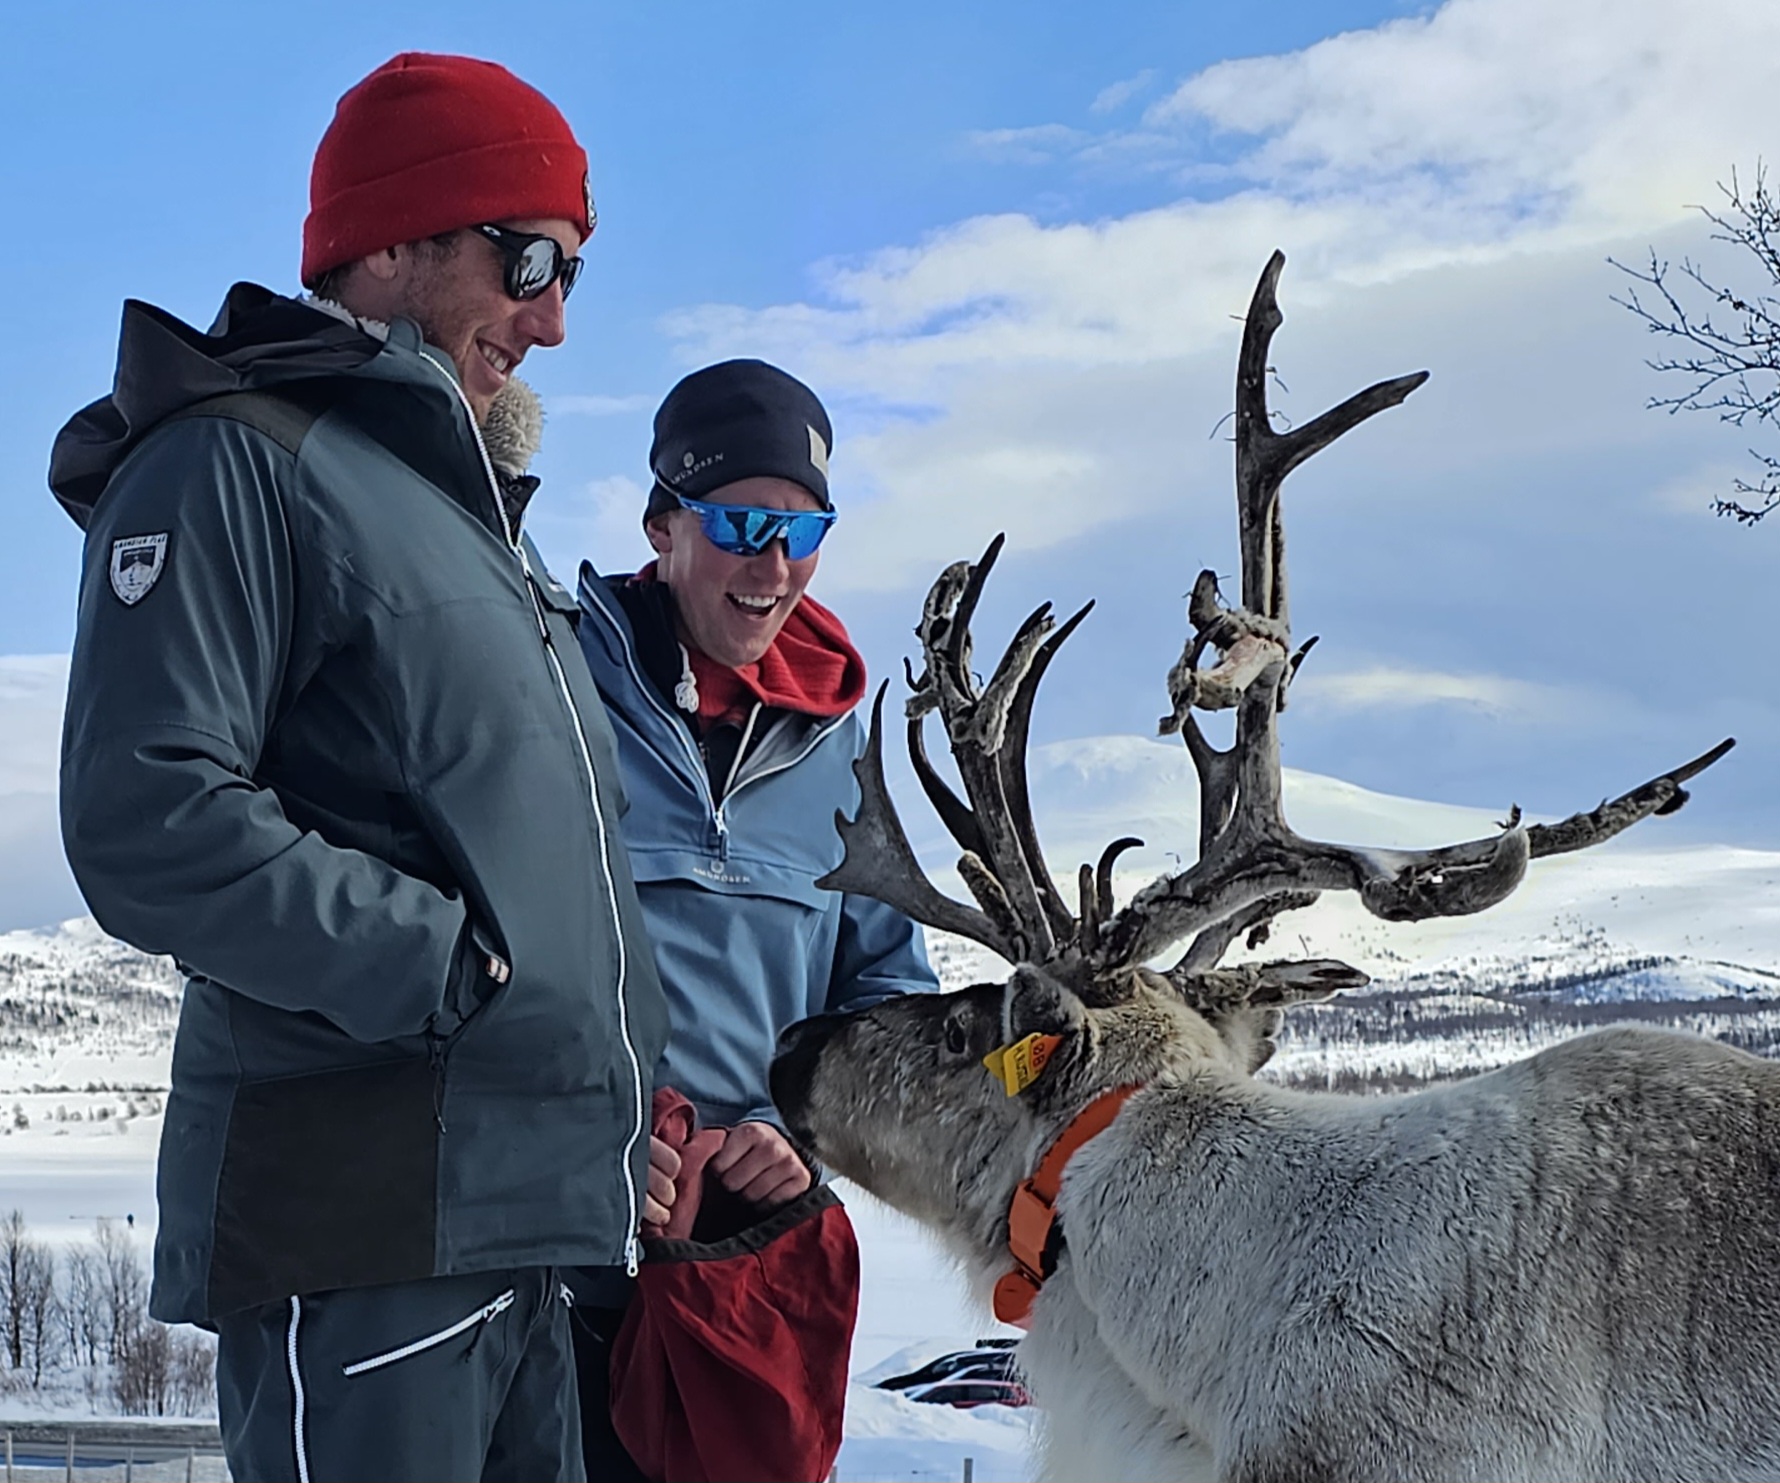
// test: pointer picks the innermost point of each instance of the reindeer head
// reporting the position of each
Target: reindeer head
(898, 1099)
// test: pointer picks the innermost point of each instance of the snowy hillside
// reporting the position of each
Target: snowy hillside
(79, 1008)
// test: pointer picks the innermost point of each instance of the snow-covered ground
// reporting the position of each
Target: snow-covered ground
(1635, 929)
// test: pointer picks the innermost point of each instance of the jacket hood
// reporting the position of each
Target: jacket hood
(259, 339)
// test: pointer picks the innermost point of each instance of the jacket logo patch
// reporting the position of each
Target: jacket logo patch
(136, 563)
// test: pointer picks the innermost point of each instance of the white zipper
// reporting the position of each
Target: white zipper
(299, 1397)
(741, 751)
(494, 487)
(431, 1341)
(678, 727)
(632, 1250)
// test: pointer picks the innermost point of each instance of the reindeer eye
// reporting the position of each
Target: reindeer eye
(956, 1040)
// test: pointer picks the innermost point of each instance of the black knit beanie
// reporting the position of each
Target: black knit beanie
(740, 419)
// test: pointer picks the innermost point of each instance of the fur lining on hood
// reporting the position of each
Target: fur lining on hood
(514, 427)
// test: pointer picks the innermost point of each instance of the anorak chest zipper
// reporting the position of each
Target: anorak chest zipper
(738, 782)
(632, 1247)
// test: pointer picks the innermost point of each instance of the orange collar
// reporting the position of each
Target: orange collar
(1032, 1217)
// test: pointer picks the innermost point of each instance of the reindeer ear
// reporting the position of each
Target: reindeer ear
(1036, 1004)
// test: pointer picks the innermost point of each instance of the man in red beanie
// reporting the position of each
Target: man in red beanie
(329, 745)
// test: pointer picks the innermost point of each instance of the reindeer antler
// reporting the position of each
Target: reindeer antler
(1252, 865)
(1020, 913)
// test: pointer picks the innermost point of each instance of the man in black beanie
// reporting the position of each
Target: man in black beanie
(732, 694)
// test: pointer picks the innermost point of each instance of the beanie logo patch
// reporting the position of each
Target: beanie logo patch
(818, 451)
(593, 216)
(691, 463)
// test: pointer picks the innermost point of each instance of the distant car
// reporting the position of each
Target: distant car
(991, 1361)
(965, 1394)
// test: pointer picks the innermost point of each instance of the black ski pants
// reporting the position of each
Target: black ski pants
(451, 1378)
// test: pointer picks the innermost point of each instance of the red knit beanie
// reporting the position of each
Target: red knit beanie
(427, 144)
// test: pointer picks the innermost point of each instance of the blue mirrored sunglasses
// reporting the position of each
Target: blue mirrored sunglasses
(743, 530)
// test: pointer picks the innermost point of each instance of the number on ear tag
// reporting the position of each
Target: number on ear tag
(1017, 1066)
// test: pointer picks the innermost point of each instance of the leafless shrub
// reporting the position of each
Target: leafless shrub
(78, 1308)
(162, 1371)
(193, 1388)
(122, 1291)
(27, 1299)
(142, 1368)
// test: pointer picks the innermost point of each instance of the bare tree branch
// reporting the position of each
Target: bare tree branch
(1729, 356)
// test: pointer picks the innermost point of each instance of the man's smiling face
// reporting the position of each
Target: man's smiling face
(732, 607)
(459, 299)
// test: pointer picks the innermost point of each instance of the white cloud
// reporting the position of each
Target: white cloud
(1493, 145)
(1696, 489)
(1116, 95)
(1382, 687)
(32, 687)
(1491, 128)
(1029, 146)
(1593, 112)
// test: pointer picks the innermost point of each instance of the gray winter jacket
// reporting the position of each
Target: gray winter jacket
(745, 940)
(328, 744)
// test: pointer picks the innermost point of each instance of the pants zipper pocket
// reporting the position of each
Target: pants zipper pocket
(431, 1341)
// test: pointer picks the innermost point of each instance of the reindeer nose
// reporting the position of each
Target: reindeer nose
(794, 1068)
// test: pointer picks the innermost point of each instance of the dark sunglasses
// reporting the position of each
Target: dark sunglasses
(531, 262)
(742, 530)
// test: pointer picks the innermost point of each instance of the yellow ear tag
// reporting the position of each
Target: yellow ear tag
(1017, 1066)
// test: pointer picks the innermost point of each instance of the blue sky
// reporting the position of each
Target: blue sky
(1005, 242)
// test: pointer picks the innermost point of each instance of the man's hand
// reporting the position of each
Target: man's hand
(757, 1163)
(664, 1168)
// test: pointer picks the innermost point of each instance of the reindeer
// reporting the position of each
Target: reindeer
(1566, 1269)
